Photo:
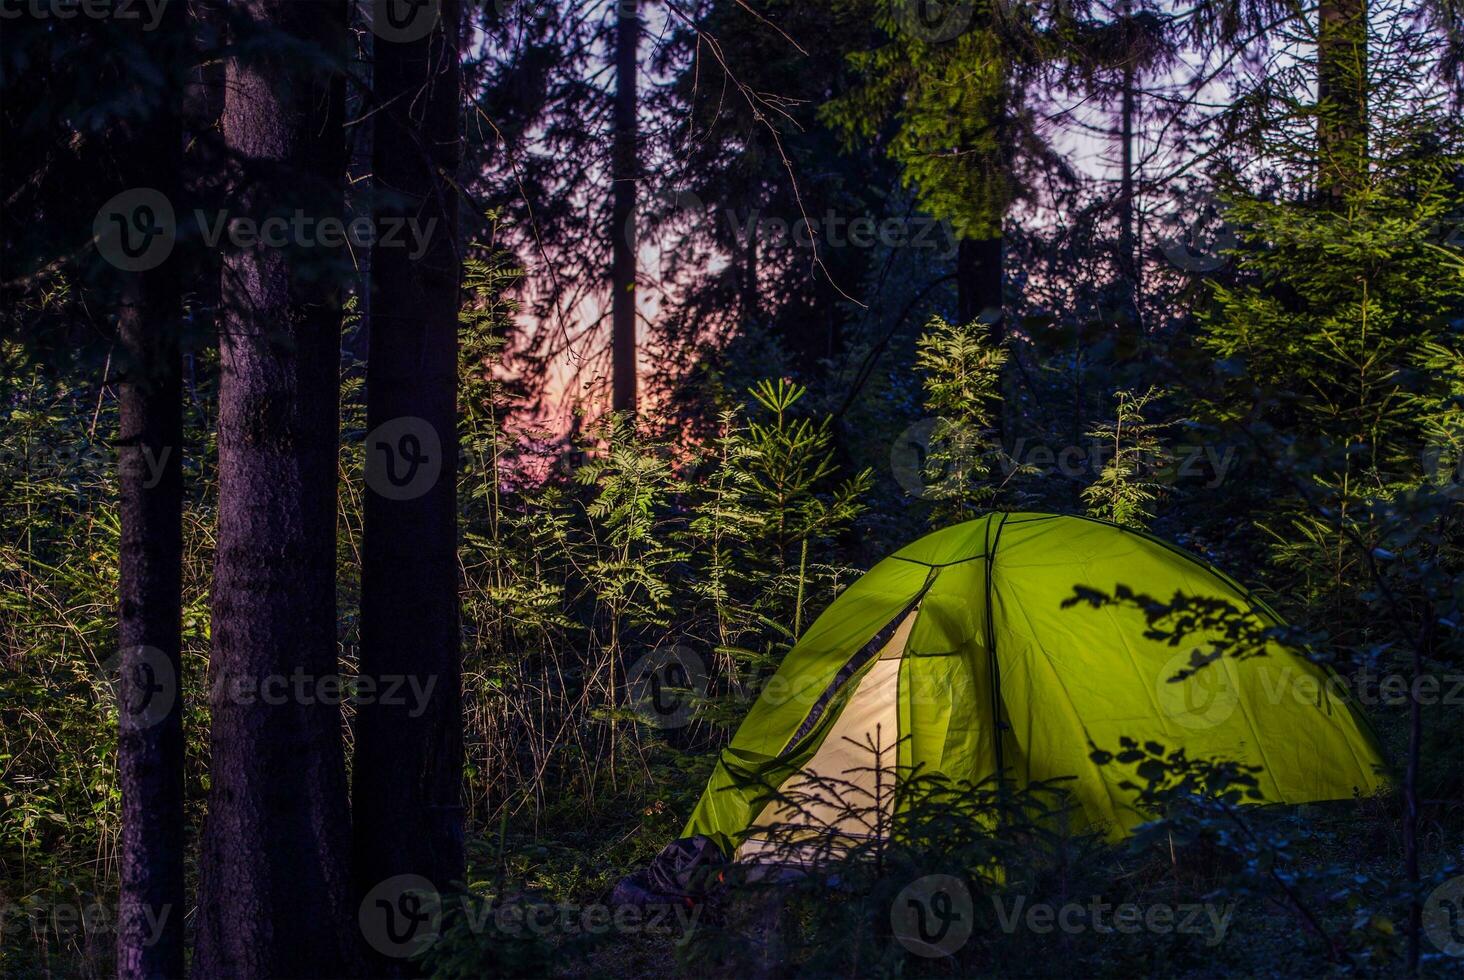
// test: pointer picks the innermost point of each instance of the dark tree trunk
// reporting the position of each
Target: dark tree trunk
(979, 282)
(274, 890)
(150, 745)
(979, 271)
(150, 697)
(407, 813)
(360, 101)
(623, 238)
(1342, 126)
(1128, 255)
(979, 295)
(749, 302)
(205, 173)
(150, 751)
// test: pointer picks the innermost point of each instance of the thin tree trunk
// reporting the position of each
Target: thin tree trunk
(360, 141)
(749, 279)
(1342, 124)
(150, 748)
(623, 238)
(150, 745)
(205, 183)
(1342, 162)
(274, 884)
(979, 270)
(1128, 256)
(979, 282)
(979, 294)
(408, 816)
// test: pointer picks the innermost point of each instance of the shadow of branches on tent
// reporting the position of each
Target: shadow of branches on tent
(1228, 629)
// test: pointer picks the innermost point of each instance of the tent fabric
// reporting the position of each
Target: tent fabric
(994, 674)
(847, 787)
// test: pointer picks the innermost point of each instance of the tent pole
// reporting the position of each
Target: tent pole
(996, 714)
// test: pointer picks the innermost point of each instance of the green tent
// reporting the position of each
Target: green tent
(964, 634)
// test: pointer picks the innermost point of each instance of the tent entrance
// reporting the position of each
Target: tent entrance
(845, 792)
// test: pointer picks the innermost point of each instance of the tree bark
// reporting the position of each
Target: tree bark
(407, 791)
(357, 341)
(150, 742)
(1342, 125)
(749, 302)
(150, 698)
(1129, 266)
(274, 883)
(150, 746)
(623, 238)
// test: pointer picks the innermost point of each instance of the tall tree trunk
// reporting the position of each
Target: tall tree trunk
(1342, 162)
(274, 890)
(748, 302)
(1128, 257)
(979, 294)
(205, 178)
(623, 239)
(1342, 135)
(150, 748)
(979, 282)
(979, 271)
(150, 744)
(407, 813)
(360, 100)
(1342, 125)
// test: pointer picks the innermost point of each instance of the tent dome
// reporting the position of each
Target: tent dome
(973, 651)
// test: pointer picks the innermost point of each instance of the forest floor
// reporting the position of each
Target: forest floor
(563, 859)
(573, 859)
